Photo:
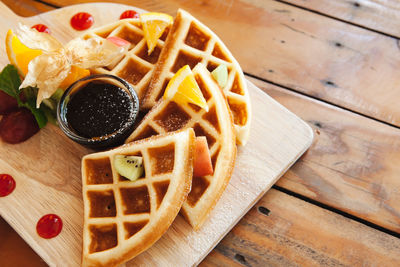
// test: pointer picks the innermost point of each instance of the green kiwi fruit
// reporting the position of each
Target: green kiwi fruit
(130, 167)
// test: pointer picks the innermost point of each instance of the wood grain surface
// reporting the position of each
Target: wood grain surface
(378, 15)
(319, 56)
(353, 157)
(352, 165)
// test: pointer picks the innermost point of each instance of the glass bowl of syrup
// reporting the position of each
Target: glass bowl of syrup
(98, 111)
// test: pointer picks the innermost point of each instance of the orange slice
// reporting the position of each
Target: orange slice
(183, 89)
(154, 24)
(19, 54)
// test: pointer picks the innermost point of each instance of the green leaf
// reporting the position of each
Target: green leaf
(50, 114)
(39, 115)
(10, 81)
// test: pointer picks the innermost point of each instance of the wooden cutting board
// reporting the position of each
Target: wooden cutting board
(47, 168)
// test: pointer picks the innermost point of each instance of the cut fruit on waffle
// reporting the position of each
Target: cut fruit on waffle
(122, 218)
(136, 65)
(190, 42)
(183, 89)
(216, 125)
(154, 25)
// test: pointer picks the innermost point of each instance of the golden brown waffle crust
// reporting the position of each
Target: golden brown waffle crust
(158, 224)
(168, 56)
(196, 215)
(135, 66)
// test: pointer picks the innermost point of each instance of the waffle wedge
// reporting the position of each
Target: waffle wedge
(216, 125)
(123, 218)
(188, 43)
(135, 66)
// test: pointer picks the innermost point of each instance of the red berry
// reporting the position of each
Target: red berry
(41, 28)
(82, 21)
(129, 14)
(18, 126)
(7, 103)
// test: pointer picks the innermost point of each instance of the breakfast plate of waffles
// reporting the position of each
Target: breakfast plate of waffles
(199, 147)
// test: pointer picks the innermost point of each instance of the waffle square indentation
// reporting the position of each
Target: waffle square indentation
(161, 189)
(162, 159)
(102, 204)
(148, 131)
(130, 35)
(199, 186)
(203, 87)
(196, 38)
(239, 111)
(135, 200)
(133, 71)
(102, 237)
(219, 53)
(98, 171)
(153, 57)
(183, 59)
(172, 118)
(237, 87)
(212, 118)
(133, 228)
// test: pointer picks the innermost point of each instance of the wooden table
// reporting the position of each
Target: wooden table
(336, 64)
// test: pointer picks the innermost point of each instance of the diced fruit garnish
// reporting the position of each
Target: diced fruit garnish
(75, 74)
(154, 24)
(19, 54)
(220, 74)
(41, 28)
(183, 89)
(7, 103)
(202, 165)
(118, 41)
(130, 167)
(82, 21)
(129, 14)
(18, 126)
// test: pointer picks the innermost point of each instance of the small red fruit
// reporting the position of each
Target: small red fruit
(128, 14)
(82, 21)
(49, 226)
(18, 126)
(41, 28)
(7, 103)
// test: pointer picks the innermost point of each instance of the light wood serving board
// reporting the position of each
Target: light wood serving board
(47, 168)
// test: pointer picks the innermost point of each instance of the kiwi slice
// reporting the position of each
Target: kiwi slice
(130, 167)
(220, 74)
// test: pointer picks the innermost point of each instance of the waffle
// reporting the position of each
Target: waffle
(123, 218)
(190, 42)
(135, 66)
(216, 125)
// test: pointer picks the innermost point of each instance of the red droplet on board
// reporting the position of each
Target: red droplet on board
(82, 21)
(41, 28)
(49, 226)
(7, 184)
(128, 14)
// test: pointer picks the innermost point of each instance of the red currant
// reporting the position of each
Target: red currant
(128, 14)
(82, 21)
